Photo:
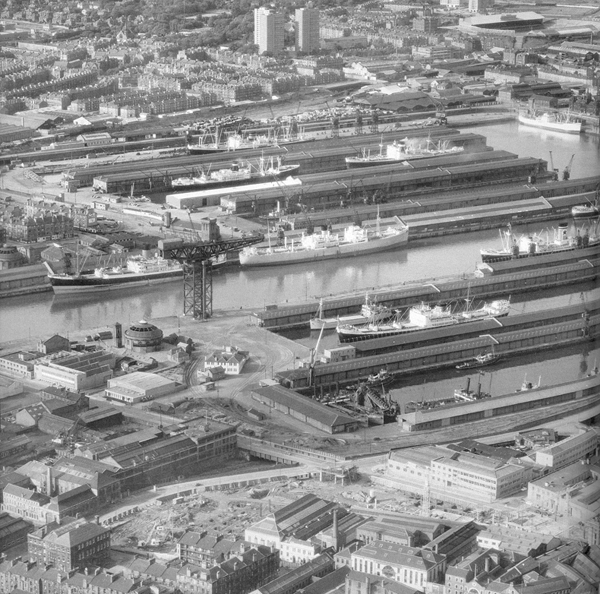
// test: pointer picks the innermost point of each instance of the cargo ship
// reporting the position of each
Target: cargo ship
(422, 317)
(369, 312)
(402, 150)
(556, 122)
(237, 142)
(371, 237)
(526, 246)
(237, 174)
(138, 271)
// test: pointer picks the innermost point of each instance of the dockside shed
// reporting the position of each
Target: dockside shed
(304, 409)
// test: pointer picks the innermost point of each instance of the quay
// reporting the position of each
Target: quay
(328, 192)
(313, 156)
(275, 317)
(329, 377)
(581, 392)
(556, 197)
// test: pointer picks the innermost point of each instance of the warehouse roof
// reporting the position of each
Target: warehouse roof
(306, 406)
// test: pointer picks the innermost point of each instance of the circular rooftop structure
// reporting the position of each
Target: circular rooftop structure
(10, 257)
(143, 337)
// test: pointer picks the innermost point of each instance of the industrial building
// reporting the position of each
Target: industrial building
(13, 531)
(76, 371)
(305, 409)
(139, 387)
(71, 546)
(456, 477)
(575, 448)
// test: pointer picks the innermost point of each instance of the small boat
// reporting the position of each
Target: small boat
(526, 386)
(555, 121)
(370, 311)
(586, 211)
(480, 361)
(382, 378)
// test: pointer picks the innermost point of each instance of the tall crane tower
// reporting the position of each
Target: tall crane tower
(196, 262)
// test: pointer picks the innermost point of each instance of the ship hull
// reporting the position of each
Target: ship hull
(489, 256)
(565, 127)
(204, 150)
(355, 335)
(285, 171)
(585, 212)
(277, 258)
(62, 285)
(355, 162)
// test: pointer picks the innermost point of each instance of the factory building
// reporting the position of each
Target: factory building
(13, 531)
(71, 546)
(454, 476)
(80, 371)
(139, 387)
(292, 529)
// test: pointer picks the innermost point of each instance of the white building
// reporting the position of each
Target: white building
(75, 371)
(268, 30)
(229, 358)
(569, 450)
(139, 387)
(407, 565)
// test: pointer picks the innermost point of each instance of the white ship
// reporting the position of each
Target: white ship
(371, 237)
(402, 150)
(556, 122)
(526, 246)
(423, 317)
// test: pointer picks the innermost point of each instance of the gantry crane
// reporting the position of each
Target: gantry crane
(195, 258)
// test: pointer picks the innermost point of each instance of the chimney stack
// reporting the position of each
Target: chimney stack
(335, 529)
(49, 488)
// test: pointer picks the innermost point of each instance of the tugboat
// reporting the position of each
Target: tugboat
(466, 395)
(526, 386)
(480, 361)
(381, 379)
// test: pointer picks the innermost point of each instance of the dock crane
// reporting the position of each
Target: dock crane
(195, 258)
(554, 169)
(567, 170)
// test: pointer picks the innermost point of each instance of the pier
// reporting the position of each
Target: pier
(579, 267)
